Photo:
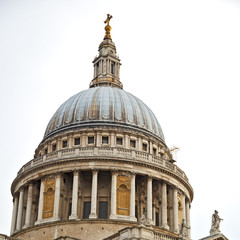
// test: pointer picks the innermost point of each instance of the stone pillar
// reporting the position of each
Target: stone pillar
(113, 214)
(149, 199)
(20, 210)
(112, 140)
(127, 144)
(164, 206)
(188, 221)
(40, 203)
(132, 198)
(29, 205)
(57, 197)
(175, 210)
(184, 207)
(74, 195)
(94, 195)
(14, 215)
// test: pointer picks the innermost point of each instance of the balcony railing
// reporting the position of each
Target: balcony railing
(83, 152)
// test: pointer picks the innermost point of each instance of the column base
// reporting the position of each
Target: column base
(166, 227)
(132, 218)
(113, 216)
(93, 216)
(25, 226)
(71, 217)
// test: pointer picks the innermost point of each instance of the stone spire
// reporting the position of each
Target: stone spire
(106, 64)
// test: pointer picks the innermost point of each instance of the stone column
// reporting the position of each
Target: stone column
(29, 205)
(127, 144)
(40, 203)
(113, 214)
(164, 206)
(14, 214)
(57, 197)
(132, 198)
(184, 207)
(74, 195)
(94, 195)
(112, 140)
(175, 210)
(188, 221)
(149, 199)
(20, 210)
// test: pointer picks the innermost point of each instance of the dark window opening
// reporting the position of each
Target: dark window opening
(90, 140)
(144, 147)
(157, 218)
(103, 210)
(64, 143)
(54, 147)
(136, 211)
(77, 141)
(86, 210)
(104, 140)
(119, 141)
(69, 209)
(154, 151)
(46, 150)
(112, 68)
(132, 143)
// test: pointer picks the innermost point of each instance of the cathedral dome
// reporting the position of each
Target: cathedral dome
(104, 105)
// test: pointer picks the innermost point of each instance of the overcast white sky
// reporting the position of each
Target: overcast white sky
(182, 58)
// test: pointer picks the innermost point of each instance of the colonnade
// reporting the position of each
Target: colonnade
(17, 215)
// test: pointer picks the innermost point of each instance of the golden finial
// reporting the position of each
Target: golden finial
(108, 27)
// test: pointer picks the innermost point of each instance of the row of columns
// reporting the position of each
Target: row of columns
(18, 202)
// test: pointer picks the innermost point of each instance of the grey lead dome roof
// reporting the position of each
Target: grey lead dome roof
(104, 105)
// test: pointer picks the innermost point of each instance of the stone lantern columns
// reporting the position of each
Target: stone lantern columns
(164, 206)
(132, 198)
(149, 199)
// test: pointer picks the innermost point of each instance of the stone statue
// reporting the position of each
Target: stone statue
(183, 229)
(143, 220)
(215, 223)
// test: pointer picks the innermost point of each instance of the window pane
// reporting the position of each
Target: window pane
(144, 147)
(132, 143)
(90, 140)
(103, 210)
(54, 147)
(76, 141)
(86, 210)
(104, 140)
(157, 218)
(64, 143)
(119, 141)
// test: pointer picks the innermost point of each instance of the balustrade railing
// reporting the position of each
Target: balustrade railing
(104, 151)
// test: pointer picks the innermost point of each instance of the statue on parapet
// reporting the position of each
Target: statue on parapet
(184, 229)
(215, 223)
(144, 221)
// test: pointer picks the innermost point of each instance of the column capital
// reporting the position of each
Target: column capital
(114, 171)
(133, 173)
(94, 170)
(75, 171)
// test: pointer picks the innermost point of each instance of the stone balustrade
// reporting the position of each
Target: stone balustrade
(98, 152)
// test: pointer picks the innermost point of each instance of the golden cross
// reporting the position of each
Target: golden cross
(108, 19)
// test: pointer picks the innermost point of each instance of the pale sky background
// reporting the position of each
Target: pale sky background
(181, 57)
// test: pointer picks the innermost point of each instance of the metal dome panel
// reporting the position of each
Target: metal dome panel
(104, 104)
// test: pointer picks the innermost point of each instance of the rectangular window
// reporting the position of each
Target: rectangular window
(90, 140)
(119, 141)
(103, 210)
(54, 147)
(112, 68)
(46, 150)
(104, 140)
(157, 218)
(144, 147)
(132, 143)
(64, 143)
(86, 210)
(77, 141)
(154, 151)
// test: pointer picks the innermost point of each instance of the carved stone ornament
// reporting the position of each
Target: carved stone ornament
(215, 223)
